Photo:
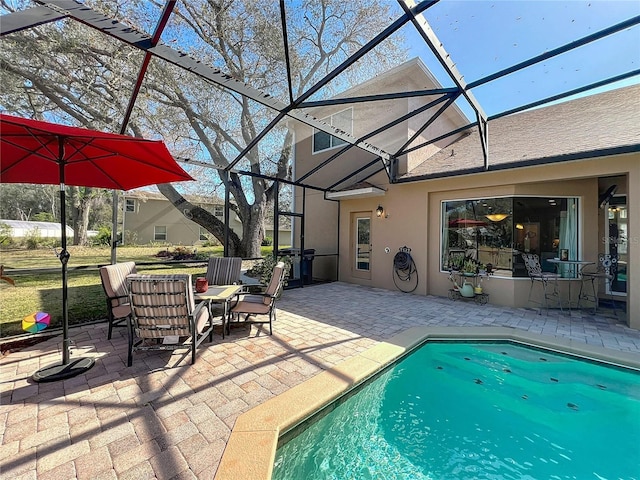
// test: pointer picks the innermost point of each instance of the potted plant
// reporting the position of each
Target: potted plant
(456, 263)
(470, 267)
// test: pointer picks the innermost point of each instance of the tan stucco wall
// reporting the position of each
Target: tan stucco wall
(180, 230)
(414, 220)
(320, 232)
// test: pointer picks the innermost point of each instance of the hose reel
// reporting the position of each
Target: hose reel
(404, 270)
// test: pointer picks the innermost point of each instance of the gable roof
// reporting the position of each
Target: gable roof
(598, 125)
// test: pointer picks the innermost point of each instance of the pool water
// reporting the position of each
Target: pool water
(477, 411)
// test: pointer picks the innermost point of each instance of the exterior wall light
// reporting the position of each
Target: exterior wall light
(380, 211)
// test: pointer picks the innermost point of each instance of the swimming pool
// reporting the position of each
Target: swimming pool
(483, 410)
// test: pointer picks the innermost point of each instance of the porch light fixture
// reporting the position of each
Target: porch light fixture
(497, 217)
(379, 211)
(519, 226)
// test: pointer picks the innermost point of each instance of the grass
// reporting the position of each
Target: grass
(42, 292)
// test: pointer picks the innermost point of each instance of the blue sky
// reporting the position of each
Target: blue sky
(483, 37)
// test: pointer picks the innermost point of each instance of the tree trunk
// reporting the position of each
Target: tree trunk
(252, 233)
(83, 238)
(72, 205)
(203, 218)
(80, 199)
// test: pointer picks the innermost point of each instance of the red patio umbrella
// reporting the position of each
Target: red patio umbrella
(33, 151)
(466, 222)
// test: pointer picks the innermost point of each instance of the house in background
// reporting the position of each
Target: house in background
(542, 191)
(150, 218)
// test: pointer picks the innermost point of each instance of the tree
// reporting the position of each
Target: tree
(20, 202)
(198, 119)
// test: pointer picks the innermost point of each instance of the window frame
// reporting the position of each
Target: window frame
(127, 204)
(579, 228)
(329, 120)
(155, 233)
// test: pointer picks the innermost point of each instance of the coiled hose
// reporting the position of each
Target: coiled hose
(404, 269)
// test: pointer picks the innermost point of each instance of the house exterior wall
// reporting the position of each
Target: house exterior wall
(413, 207)
(414, 220)
(320, 232)
(151, 212)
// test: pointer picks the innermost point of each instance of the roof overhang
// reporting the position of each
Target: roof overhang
(363, 192)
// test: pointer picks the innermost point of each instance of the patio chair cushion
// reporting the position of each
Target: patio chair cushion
(114, 282)
(251, 308)
(121, 311)
(116, 289)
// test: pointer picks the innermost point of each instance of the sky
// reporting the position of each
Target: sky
(485, 36)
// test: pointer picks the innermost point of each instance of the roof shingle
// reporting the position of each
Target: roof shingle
(605, 123)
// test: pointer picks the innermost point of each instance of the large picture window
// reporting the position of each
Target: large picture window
(495, 231)
(341, 120)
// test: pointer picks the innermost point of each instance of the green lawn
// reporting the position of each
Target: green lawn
(42, 292)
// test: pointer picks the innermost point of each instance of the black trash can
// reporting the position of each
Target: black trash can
(306, 265)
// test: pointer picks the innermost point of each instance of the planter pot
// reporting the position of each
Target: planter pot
(201, 284)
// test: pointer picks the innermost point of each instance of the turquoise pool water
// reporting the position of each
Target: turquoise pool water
(477, 411)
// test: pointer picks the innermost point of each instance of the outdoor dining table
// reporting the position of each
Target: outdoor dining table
(574, 268)
(221, 294)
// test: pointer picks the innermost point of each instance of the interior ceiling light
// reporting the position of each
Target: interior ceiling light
(497, 217)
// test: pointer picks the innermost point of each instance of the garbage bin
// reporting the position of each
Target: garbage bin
(306, 265)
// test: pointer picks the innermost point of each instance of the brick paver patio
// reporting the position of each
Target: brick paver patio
(165, 418)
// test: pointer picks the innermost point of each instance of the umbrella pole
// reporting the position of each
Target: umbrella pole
(64, 259)
(68, 368)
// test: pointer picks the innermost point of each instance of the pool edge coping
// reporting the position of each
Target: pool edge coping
(251, 448)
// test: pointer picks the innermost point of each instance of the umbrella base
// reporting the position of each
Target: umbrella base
(53, 373)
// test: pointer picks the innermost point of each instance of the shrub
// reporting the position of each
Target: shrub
(5, 235)
(103, 237)
(264, 269)
(32, 239)
(267, 241)
(211, 242)
(130, 238)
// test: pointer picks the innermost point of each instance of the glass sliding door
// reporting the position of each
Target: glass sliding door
(616, 244)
